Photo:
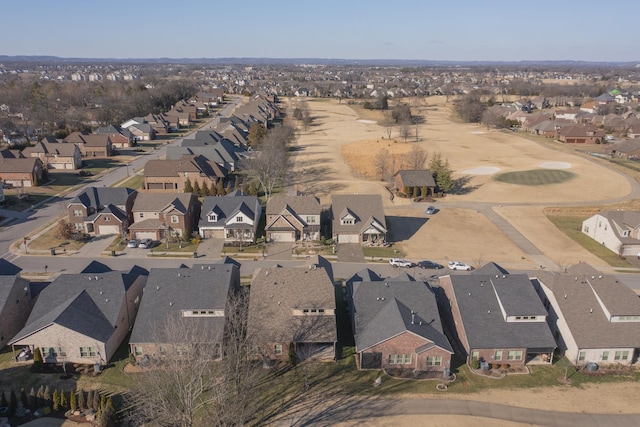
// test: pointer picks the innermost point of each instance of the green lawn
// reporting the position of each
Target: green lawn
(572, 226)
(535, 177)
(135, 182)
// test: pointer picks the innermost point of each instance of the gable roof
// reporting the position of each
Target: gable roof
(277, 292)
(361, 206)
(158, 202)
(587, 300)
(301, 205)
(417, 178)
(386, 309)
(98, 197)
(87, 303)
(226, 207)
(20, 165)
(7, 283)
(170, 291)
(484, 301)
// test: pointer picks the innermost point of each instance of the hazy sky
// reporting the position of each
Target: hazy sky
(349, 29)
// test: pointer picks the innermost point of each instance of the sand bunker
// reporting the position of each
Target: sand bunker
(485, 170)
(369, 122)
(555, 165)
(478, 132)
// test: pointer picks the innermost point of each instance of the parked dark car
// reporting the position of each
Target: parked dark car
(430, 264)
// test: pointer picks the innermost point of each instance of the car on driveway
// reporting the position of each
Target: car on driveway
(133, 243)
(399, 262)
(145, 243)
(459, 265)
(431, 210)
(429, 264)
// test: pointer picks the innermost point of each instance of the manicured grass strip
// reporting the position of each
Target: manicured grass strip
(572, 227)
(535, 177)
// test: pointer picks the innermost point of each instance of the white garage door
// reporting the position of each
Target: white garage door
(108, 229)
(282, 236)
(145, 235)
(348, 238)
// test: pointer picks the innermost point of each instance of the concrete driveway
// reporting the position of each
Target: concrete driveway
(350, 252)
(210, 248)
(280, 251)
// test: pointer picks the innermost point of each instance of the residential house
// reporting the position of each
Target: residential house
(15, 305)
(181, 300)
(120, 138)
(222, 151)
(21, 172)
(83, 318)
(160, 124)
(594, 317)
(233, 217)
(580, 134)
(618, 231)
(634, 128)
(91, 145)
(292, 310)
(414, 183)
(358, 218)
(293, 218)
(160, 215)
(172, 175)
(142, 132)
(397, 325)
(496, 317)
(627, 149)
(56, 155)
(102, 210)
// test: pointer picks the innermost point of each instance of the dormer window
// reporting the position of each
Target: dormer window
(239, 219)
(212, 217)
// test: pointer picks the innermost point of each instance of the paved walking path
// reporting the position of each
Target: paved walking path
(361, 411)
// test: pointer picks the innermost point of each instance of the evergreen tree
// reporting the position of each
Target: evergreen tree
(37, 359)
(24, 399)
(220, 187)
(47, 397)
(90, 400)
(40, 397)
(96, 401)
(108, 415)
(82, 402)
(3, 400)
(103, 402)
(444, 178)
(33, 400)
(212, 189)
(227, 189)
(205, 189)
(64, 403)
(188, 188)
(73, 404)
(55, 400)
(196, 188)
(423, 191)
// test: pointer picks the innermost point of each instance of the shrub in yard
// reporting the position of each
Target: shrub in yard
(475, 363)
(24, 399)
(82, 402)
(37, 360)
(3, 400)
(293, 357)
(64, 403)
(505, 366)
(73, 404)
(13, 403)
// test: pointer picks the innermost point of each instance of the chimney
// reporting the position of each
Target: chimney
(413, 317)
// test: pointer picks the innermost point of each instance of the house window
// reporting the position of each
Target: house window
(621, 355)
(581, 356)
(586, 229)
(475, 355)
(107, 218)
(311, 220)
(497, 355)
(53, 352)
(212, 217)
(277, 349)
(514, 355)
(434, 361)
(174, 219)
(88, 352)
(78, 226)
(347, 221)
(77, 213)
(137, 350)
(605, 355)
(399, 359)
(239, 219)
(141, 215)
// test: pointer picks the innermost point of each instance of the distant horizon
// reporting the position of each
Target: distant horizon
(310, 60)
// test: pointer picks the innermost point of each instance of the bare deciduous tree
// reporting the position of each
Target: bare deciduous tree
(388, 122)
(268, 164)
(382, 163)
(405, 129)
(416, 158)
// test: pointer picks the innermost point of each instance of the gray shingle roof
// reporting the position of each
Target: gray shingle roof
(365, 207)
(170, 290)
(156, 202)
(301, 205)
(276, 292)
(386, 309)
(99, 197)
(7, 283)
(417, 178)
(226, 207)
(481, 300)
(87, 303)
(588, 294)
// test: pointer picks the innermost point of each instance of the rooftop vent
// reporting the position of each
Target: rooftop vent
(266, 273)
(488, 311)
(107, 299)
(89, 278)
(591, 310)
(469, 293)
(157, 288)
(202, 267)
(565, 296)
(170, 303)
